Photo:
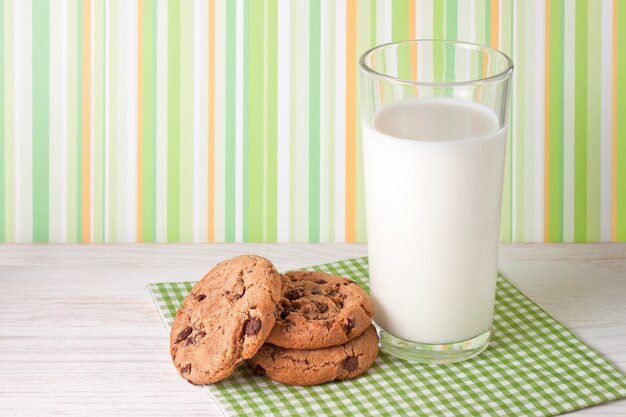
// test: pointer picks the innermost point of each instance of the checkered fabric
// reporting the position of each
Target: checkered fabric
(533, 367)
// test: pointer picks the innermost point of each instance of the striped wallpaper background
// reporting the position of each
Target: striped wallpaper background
(215, 120)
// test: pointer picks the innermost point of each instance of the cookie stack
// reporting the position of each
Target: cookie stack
(301, 328)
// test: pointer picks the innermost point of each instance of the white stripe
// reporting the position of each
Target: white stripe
(131, 156)
(23, 122)
(92, 86)
(107, 117)
(569, 97)
(220, 117)
(423, 22)
(324, 127)
(55, 121)
(606, 128)
(539, 60)
(239, 122)
(340, 122)
(122, 118)
(161, 121)
(196, 125)
(514, 138)
(464, 25)
(387, 22)
(302, 124)
(284, 110)
(472, 21)
(64, 120)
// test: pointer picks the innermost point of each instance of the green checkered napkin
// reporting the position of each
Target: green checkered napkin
(533, 367)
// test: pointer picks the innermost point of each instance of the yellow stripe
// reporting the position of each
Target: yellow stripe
(86, 174)
(351, 121)
(211, 127)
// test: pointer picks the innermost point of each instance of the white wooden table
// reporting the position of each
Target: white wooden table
(79, 334)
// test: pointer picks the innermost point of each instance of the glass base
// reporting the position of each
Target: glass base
(433, 353)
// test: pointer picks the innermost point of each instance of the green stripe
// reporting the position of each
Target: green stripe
(580, 125)
(594, 130)
(400, 32)
(314, 121)
(230, 124)
(173, 122)
(555, 163)
(186, 120)
(2, 132)
(253, 126)
(97, 192)
(620, 177)
(438, 33)
(41, 92)
(148, 121)
(271, 123)
(79, 122)
(451, 33)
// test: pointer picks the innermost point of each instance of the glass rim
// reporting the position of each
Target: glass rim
(506, 72)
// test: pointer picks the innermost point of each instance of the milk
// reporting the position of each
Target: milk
(433, 184)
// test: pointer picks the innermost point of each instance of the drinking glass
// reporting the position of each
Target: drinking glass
(434, 124)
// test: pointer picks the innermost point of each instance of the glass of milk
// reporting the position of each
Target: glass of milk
(434, 124)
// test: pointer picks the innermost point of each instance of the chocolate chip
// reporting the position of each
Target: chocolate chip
(321, 307)
(316, 291)
(320, 281)
(183, 334)
(186, 369)
(347, 328)
(259, 370)
(328, 324)
(199, 336)
(284, 314)
(237, 296)
(294, 294)
(189, 341)
(252, 326)
(351, 363)
(331, 292)
(200, 297)
(306, 310)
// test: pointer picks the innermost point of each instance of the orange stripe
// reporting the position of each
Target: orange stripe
(86, 174)
(211, 126)
(139, 27)
(546, 133)
(495, 16)
(412, 36)
(351, 120)
(614, 156)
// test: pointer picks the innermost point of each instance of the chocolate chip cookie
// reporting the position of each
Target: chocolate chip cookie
(225, 318)
(318, 310)
(318, 366)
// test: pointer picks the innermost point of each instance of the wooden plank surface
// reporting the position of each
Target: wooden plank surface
(79, 334)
